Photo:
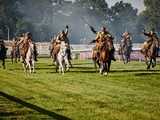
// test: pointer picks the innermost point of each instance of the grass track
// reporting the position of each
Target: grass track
(128, 93)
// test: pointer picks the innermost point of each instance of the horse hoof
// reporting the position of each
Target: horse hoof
(105, 74)
(100, 73)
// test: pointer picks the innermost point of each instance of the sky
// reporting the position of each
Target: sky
(136, 3)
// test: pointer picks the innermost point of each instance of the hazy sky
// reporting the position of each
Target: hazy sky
(136, 3)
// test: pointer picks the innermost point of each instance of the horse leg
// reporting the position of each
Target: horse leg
(60, 66)
(94, 62)
(25, 67)
(63, 68)
(33, 67)
(67, 64)
(125, 58)
(153, 62)
(105, 68)
(56, 63)
(29, 66)
(16, 57)
(150, 62)
(101, 68)
(109, 65)
(3, 63)
(12, 57)
(70, 63)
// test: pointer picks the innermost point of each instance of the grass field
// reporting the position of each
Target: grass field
(129, 92)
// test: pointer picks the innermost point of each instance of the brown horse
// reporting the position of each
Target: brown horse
(55, 48)
(15, 53)
(150, 55)
(95, 58)
(23, 47)
(104, 58)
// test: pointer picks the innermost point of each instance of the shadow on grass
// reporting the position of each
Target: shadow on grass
(93, 70)
(148, 74)
(138, 70)
(34, 107)
(83, 63)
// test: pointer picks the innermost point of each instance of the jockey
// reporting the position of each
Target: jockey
(63, 36)
(105, 36)
(152, 37)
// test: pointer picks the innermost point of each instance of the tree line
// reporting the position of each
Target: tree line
(45, 18)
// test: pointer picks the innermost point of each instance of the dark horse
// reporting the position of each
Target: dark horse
(3, 51)
(125, 50)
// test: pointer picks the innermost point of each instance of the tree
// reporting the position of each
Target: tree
(152, 14)
(8, 17)
(122, 17)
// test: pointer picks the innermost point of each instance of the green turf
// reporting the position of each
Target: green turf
(129, 92)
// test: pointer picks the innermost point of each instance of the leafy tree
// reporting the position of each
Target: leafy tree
(122, 17)
(8, 16)
(152, 14)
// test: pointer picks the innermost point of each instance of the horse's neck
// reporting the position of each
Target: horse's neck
(62, 50)
(104, 48)
(30, 50)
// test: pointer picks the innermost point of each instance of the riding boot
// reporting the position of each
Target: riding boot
(157, 51)
(112, 55)
(35, 58)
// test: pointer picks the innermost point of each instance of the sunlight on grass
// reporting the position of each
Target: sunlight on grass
(129, 92)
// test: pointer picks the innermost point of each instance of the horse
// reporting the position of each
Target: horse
(104, 58)
(3, 52)
(62, 60)
(125, 51)
(150, 53)
(15, 53)
(95, 58)
(29, 59)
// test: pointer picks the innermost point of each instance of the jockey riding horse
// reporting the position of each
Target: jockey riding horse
(125, 47)
(150, 48)
(104, 47)
(24, 41)
(55, 44)
(15, 53)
